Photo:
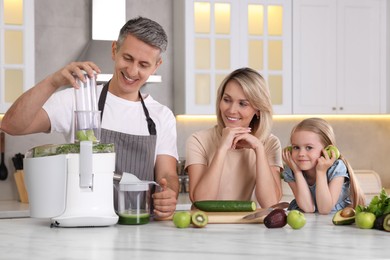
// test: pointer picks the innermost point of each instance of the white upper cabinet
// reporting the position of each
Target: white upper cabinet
(16, 50)
(213, 38)
(339, 56)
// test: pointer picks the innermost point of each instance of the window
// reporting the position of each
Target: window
(16, 49)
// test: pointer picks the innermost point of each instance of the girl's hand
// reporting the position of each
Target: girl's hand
(324, 162)
(229, 134)
(287, 158)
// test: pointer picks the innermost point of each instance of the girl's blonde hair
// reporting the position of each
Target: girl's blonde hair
(324, 130)
(256, 91)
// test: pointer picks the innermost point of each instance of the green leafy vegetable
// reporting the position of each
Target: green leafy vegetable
(48, 150)
(379, 205)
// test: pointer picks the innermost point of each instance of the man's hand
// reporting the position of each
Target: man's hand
(164, 200)
(68, 74)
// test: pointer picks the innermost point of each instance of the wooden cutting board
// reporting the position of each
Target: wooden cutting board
(227, 218)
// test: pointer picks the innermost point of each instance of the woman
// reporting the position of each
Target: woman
(238, 159)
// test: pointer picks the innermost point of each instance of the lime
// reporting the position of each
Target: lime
(182, 219)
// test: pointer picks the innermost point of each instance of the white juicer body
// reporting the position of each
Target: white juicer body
(55, 186)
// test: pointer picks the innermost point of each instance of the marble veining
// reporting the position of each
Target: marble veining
(22, 238)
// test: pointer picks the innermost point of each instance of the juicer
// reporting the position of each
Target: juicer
(72, 184)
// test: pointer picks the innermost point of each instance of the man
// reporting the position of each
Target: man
(143, 130)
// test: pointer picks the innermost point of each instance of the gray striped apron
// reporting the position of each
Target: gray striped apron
(133, 153)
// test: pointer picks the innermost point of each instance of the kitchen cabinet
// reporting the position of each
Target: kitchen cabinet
(339, 56)
(16, 50)
(213, 38)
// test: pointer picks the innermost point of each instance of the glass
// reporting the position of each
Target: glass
(255, 54)
(255, 19)
(202, 53)
(87, 126)
(202, 88)
(13, 47)
(275, 55)
(13, 85)
(222, 54)
(13, 12)
(133, 206)
(275, 20)
(222, 18)
(202, 17)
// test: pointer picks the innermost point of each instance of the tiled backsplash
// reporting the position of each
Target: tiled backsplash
(364, 141)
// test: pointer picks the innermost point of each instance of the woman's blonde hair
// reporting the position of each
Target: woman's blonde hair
(324, 130)
(256, 91)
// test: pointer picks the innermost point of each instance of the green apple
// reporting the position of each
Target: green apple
(365, 219)
(289, 148)
(296, 219)
(333, 148)
(182, 219)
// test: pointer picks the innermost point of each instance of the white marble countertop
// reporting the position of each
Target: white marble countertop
(14, 209)
(27, 238)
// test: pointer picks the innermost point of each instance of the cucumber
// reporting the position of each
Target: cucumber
(225, 205)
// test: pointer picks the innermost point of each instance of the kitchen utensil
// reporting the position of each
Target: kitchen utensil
(86, 97)
(3, 168)
(73, 189)
(20, 185)
(236, 217)
(134, 200)
(19, 177)
(225, 218)
(264, 212)
(18, 161)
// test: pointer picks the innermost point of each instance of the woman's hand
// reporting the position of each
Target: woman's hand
(246, 140)
(229, 136)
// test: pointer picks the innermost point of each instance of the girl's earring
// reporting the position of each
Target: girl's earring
(258, 115)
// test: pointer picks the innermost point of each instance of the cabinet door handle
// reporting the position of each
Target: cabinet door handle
(333, 108)
(341, 108)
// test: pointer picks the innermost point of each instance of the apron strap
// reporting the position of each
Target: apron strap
(151, 124)
(102, 99)
(102, 102)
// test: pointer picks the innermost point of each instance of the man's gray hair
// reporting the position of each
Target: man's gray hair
(146, 30)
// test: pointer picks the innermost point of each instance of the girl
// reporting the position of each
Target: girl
(320, 183)
(238, 157)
